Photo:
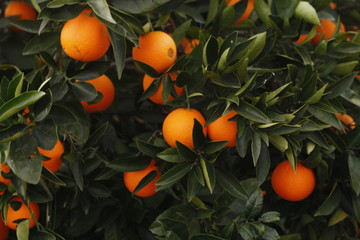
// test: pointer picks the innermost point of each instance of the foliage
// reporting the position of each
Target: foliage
(286, 97)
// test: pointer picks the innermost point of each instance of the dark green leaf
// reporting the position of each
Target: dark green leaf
(42, 43)
(147, 148)
(254, 204)
(119, 48)
(263, 164)
(208, 171)
(173, 176)
(285, 8)
(170, 155)
(46, 134)
(128, 163)
(198, 134)
(12, 132)
(340, 86)
(84, 91)
(268, 217)
(354, 169)
(193, 185)
(210, 51)
(231, 184)
(185, 152)
(330, 203)
(180, 32)
(101, 8)
(251, 112)
(306, 11)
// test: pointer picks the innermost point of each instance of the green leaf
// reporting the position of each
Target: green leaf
(324, 116)
(198, 134)
(101, 9)
(15, 86)
(128, 163)
(147, 69)
(18, 103)
(24, 159)
(12, 132)
(209, 174)
(256, 46)
(118, 44)
(210, 51)
(90, 71)
(345, 68)
(255, 147)
(337, 217)
(317, 95)
(214, 146)
(263, 11)
(330, 204)
(185, 152)
(263, 164)
(172, 176)
(60, 3)
(180, 32)
(42, 43)
(340, 86)
(145, 181)
(97, 135)
(231, 184)
(269, 217)
(193, 185)
(147, 148)
(206, 237)
(170, 155)
(354, 169)
(254, 204)
(22, 230)
(307, 12)
(285, 8)
(251, 112)
(84, 91)
(46, 134)
(213, 9)
(137, 6)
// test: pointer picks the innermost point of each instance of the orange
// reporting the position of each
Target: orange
(132, 179)
(290, 185)
(302, 38)
(23, 212)
(189, 45)
(4, 169)
(347, 120)
(54, 162)
(248, 10)
(157, 96)
(156, 49)
(21, 9)
(84, 37)
(332, 5)
(105, 86)
(223, 130)
(326, 30)
(4, 231)
(178, 126)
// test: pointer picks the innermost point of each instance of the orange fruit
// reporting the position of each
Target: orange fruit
(189, 45)
(4, 169)
(248, 10)
(326, 30)
(224, 130)
(132, 179)
(105, 86)
(157, 96)
(54, 162)
(84, 37)
(22, 213)
(156, 49)
(21, 9)
(332, 5)
(4, 231)
(302, 38)
(347, 120)
(290, 185)
(178, 126)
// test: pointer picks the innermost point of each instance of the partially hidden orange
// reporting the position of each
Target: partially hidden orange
(105, 86)
(290, 185)
(326, 30)
(132, 179)
(249, 9)
(157, 96)
(17, 210)
(224, 130)
(178, 126)
(189, 45)
(4, 169)
(53, 161)
(85, 38)
(21, 9)
(156, 49)
(301, 38)
(347, 120)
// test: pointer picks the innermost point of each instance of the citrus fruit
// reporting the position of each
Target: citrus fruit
(21, 9)
(301, 38)
(247, 12)
(18, 210)
(332, 5)
(105, 86)
(178, 126)
(53, 163)
(157, 96)
(132, 179)
(156, 49)
(290, 185)
(189, 45)
(223, 130)
(4, 169)
(326, 30)
(84, 37)
(4, 231)
(348, 121)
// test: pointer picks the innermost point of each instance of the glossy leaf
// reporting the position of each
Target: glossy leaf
(173, 175)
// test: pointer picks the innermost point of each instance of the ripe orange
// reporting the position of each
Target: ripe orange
(4, 169)
(326, 30)
(302, 38)
(178, 126)
(189, 45)
(132, 179)
(4, 231)
(157, 96)
(54, 162)
(224, 130)
(156, 49)
(21, 9)
(293, 186)
(248, 10)
(14, 215)
(347, 120)
(84, 37)
(332, 5)
(105, 86)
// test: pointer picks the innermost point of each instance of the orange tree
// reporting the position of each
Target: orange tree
(280, 95)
